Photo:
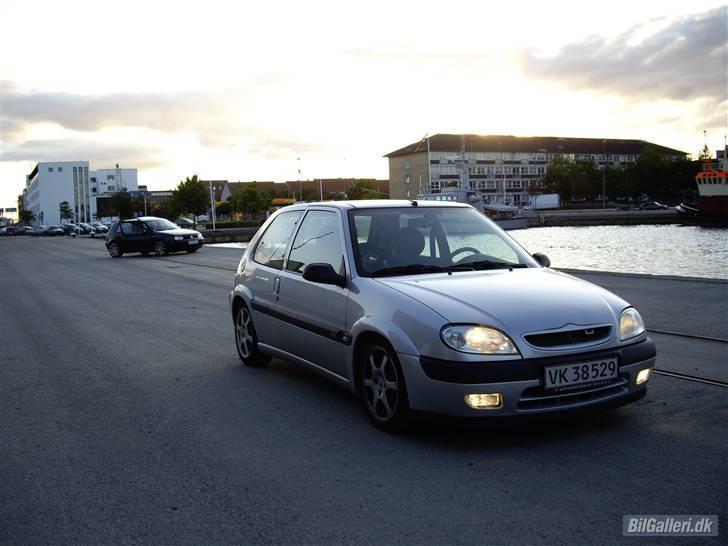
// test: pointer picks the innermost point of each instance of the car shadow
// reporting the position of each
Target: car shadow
(437, 430)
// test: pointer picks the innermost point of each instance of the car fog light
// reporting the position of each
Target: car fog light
(643, 376)
(484, 401)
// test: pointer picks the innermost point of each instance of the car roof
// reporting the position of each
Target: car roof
(377, 204)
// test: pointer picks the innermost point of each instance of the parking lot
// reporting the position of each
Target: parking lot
(126, 416)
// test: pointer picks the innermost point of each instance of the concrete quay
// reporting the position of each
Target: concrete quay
(126, 417)
(603, 217)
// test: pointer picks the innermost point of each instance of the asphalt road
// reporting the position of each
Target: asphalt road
(126, 417)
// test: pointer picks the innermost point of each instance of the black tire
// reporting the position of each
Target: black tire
(192, 250)
(160, 248)
(382, 388)
(114, 250)
(246, 340)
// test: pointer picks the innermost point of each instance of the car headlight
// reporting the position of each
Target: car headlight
(630, 324)
(178, 237)
(478, 339)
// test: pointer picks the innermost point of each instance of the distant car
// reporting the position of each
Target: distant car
(69, 229)
(53, 231)
(7, 231)
(97, 228)
(652, 205)
(86, 228)
(430, 306)
(38, 231)
(203, 218)
(184, 222)
(150, 234)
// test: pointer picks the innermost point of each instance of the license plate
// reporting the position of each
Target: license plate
(580, 374)
(192, 242)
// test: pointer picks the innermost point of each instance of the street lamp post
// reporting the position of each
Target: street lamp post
(604, 174)
(300, 186)
(212, 203)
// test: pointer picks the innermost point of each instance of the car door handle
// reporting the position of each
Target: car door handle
(277, 286)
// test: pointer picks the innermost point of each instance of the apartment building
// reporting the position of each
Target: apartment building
(505, 169)
(51, 183)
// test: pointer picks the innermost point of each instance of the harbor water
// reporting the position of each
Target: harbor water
(683, 251)
(677, 250)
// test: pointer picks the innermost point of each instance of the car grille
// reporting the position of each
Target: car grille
(569, 337)
(536, 399)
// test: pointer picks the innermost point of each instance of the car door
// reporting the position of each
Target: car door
(315, 313)
(132, 236)
(268, 255)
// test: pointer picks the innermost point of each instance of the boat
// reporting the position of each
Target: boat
(712, 205)
(506, 216)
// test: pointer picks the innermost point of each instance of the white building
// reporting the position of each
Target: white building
(51, 183)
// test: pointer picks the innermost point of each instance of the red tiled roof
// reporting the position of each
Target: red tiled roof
(553, 145)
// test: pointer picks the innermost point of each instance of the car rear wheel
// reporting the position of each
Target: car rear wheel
(246, 340)
(382, 387)
(160, 248)
(115, 250)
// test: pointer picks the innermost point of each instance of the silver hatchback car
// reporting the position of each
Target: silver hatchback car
(430, 306)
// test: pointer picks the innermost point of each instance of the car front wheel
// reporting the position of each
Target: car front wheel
(382, 387)
(115, 250)
(160, 248)
(246, 340)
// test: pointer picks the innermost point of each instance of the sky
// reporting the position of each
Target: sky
(260, 90)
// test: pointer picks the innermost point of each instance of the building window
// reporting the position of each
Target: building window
(60, 169)
(407, 163)
(109, 177)
(50, 169)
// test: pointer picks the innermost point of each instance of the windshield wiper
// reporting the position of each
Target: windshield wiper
(492, 264)
(420, 268)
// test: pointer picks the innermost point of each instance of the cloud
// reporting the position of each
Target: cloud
(684, 59)
(103, 153)
(200, 113)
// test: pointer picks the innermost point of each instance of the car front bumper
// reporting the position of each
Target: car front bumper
(177, 246)
(437, 386)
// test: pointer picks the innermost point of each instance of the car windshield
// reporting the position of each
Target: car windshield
(160, 224)
(408, 241)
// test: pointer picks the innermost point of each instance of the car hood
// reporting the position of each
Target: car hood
(179, 231)
(517, 301)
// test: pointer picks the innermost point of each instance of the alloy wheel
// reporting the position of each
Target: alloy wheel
(160, 248)
(381, 384)
(244, 332)
(114, 250)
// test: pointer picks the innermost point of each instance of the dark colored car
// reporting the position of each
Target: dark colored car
(53, 231)
(150, 234)
(652, 205)
(70, 229)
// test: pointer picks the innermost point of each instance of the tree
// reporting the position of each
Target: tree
(26, 217)
(363, 189)
(251, 200)
(65, 210)
(224, 208)
(704, 153)
(121, 204)
(191, 196)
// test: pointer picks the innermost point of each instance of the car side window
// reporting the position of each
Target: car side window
(318, 241)
(132, 228)
(273, 245)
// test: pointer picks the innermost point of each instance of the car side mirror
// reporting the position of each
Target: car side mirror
(323, 274)
(542, 259)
